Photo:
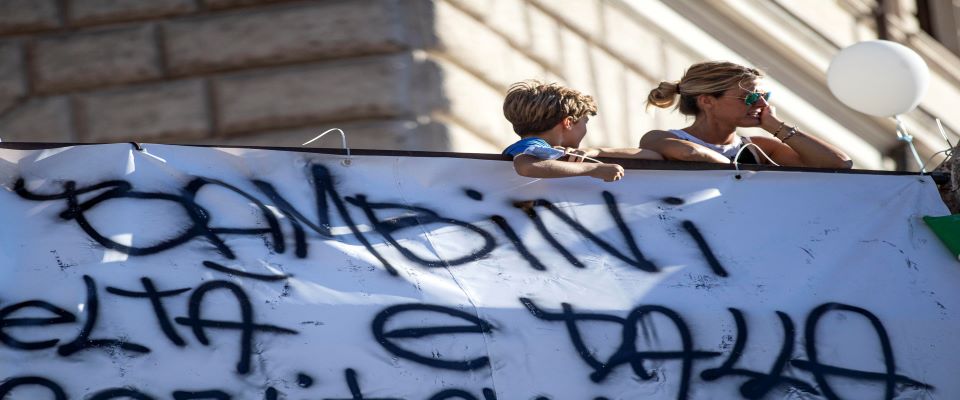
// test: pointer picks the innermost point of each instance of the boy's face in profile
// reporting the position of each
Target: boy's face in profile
(574, 135)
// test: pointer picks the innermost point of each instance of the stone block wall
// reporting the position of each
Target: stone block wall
(394, 74)
(599, 47)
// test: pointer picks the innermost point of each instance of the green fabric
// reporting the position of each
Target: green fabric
(947, 228)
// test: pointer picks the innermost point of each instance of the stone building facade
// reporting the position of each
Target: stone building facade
(430, 75)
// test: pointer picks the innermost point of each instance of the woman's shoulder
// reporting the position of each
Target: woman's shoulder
(661, 134)
(656, 137)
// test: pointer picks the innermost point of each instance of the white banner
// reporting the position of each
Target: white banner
(218, 273)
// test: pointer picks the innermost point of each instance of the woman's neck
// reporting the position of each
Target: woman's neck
(711, 131)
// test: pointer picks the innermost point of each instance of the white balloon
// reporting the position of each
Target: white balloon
(878, 77)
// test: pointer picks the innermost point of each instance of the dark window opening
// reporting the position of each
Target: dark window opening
(925, 19)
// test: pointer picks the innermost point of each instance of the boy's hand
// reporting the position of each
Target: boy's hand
(607, 172)
(576, 155)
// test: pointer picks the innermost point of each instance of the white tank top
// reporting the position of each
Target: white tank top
(727, 150)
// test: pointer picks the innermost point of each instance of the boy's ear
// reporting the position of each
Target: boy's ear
(567, 122)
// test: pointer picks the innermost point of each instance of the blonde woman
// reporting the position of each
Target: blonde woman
(723, 96)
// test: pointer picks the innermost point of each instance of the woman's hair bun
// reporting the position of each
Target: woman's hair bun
(664, 95)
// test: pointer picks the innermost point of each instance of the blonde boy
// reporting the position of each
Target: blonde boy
(552, 121)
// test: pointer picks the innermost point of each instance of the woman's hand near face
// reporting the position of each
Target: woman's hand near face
(768, 119)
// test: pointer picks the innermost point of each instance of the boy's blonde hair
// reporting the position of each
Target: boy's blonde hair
(533, 106)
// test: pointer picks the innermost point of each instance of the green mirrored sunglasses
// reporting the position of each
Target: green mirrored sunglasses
(754, 97)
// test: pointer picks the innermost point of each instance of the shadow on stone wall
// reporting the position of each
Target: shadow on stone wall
(240, 72)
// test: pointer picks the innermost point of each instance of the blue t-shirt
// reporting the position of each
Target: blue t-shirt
(533, 146)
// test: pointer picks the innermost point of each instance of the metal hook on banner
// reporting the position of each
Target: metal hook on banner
(736, 159)
(343, 143)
